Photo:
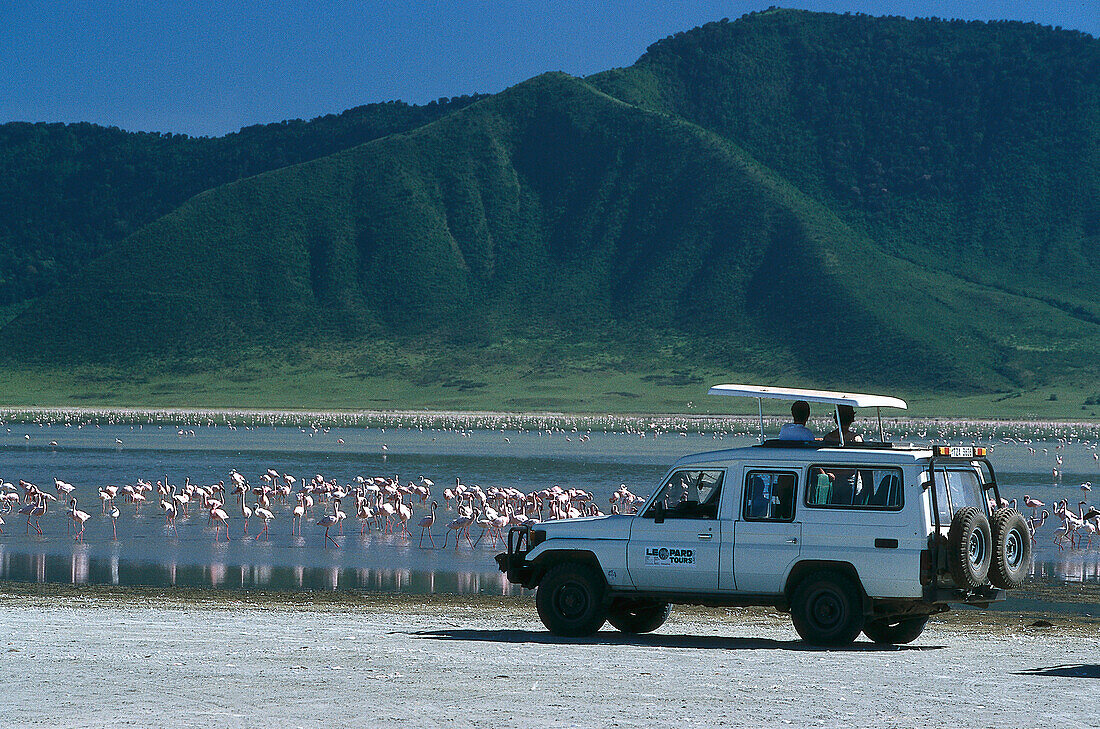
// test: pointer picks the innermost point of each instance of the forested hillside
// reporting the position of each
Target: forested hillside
(843, 201)
(72, 190)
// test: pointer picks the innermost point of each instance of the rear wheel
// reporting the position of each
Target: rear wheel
(826, 609)
(638, 616)
(1011, 549)
(570, 600)
(969, 548)
(895, 630)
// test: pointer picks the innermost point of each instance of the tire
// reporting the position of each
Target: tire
(570, 600)
(826, 609)
(638, 616)
(1011, 549)
(969, 548)
(895, 631)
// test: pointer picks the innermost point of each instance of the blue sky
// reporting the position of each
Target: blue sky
(212, 67)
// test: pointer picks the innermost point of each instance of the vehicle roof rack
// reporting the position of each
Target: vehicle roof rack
(819, 444)
(854, 399)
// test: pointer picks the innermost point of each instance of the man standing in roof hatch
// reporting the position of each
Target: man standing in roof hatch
(800, 413)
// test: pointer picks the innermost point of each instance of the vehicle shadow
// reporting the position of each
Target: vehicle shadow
(656, 640)
(1080, 670)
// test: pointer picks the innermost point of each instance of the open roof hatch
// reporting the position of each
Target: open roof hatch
(856, 400)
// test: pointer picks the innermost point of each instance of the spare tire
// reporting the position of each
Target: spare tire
(969, 550)
(1011, 549)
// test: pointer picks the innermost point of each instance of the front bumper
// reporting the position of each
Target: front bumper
(513, 563)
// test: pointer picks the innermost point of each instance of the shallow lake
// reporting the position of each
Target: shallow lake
(91, 456)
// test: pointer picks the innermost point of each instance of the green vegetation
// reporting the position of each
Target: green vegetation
(807, 199)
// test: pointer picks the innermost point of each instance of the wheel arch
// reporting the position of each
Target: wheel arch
(807, 567)
(553, 557)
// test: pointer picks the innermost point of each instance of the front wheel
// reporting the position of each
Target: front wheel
(897, 631)
(638, 616)
(570, 600)
(827, 610)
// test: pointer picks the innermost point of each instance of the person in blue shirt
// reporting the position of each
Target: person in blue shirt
(800, 413)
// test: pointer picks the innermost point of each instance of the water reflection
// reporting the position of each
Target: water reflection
(79, 569)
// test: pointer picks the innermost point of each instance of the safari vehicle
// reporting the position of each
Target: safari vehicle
(850, 537)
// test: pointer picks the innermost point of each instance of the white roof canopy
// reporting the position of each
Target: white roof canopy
(793, 393)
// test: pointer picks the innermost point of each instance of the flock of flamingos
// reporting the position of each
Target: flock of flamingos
(386, 505)
(380, 503)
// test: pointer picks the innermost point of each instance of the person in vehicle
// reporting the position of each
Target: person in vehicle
(800, 413)
(847, 417)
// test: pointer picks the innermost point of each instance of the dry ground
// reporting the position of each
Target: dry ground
(96, 657)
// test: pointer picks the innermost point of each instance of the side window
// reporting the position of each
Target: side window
(769, 496)
(854, 487)
(689, 495)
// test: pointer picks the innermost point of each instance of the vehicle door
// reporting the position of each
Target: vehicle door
(674, 544)
(767, 537)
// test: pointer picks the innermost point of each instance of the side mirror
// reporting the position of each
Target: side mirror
(659, 512)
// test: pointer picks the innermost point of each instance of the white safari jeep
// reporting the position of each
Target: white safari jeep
(850, 537)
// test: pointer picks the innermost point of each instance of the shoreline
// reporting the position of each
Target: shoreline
(1031, 603)
(478, 420)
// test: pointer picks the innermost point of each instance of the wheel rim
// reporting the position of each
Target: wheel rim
(827, 610)
(571, 601)
(1014, 552)
(975, 548)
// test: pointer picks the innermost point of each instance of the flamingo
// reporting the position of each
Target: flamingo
(78, 517)
(220, 519)
(114, 522)
(364, 514)
(1032, 525)
(404, 513)
(169, 509)
(330, 520)
(339, 513)
(245, 512)
(35, 509)
(426, 526)
(460, 526)
(297, 515)
(264, 514)
(1033, 504)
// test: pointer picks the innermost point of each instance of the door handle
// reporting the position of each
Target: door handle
(706, 535)
(792, 540)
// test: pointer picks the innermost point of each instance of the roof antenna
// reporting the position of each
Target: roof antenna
(881, 433)
(760, 406)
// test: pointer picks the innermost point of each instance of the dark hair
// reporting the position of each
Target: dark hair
(847, 415)
(800, 411)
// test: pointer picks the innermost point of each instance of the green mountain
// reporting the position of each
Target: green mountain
(73, 190)
(842, 201)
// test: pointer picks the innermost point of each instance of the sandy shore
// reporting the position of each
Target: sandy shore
(93, 657)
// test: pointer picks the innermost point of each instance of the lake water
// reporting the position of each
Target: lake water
(91, 456)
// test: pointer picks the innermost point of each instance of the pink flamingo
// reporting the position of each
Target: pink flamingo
(264, 514)
(461, 527)
(298, 514)
(220, 519)
(246, 512)
(1033, 504)
(426, 526)
(114, 522)
(330, 520)
(78, 517)
(1032, 525)
(35, 510)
